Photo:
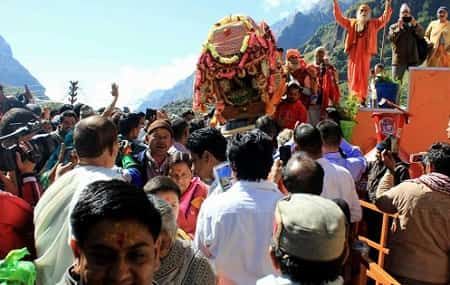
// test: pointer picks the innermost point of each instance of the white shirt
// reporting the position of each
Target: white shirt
(275, 280)
(338, 183)
(234, 230)
(178, 147)
(51, 220)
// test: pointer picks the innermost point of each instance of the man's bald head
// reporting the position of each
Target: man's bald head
(93, 135)
(303, 175)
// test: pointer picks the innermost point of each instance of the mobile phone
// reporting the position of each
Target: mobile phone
(394, 144)
(150, 114)
(223, 175)
(285, 153)
(417, 157)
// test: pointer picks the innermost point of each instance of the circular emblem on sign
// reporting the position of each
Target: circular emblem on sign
(387, 126)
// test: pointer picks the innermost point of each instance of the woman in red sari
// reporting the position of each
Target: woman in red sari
(193, 191)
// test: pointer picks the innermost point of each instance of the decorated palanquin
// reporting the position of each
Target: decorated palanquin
(239, 71)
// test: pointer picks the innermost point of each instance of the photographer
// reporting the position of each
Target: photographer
(20, 160)
(404, 36)
(419, 240)
(387, 160)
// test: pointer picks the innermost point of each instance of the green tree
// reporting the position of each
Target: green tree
(73, 92)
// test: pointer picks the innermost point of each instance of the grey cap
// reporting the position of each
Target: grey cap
(310, 227)
(442, 8)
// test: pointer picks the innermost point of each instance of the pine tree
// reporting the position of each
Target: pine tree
(73, 92)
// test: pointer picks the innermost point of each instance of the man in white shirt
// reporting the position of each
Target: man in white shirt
(95, 140)
(338, 182)
(234, 228)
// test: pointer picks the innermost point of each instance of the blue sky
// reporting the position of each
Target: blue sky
(143, 45)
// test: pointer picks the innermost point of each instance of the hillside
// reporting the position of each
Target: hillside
(14, 74)
(302, 26)
(156, 99)
(291, 31)
(332, 36)
(311, 30)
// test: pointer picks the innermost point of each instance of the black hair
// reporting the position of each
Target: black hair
(250, 155)
(93, 135)
(196, 124)
(308, 139)
(330, 133)
(128, 123)
(179, 127)
(14, 119)
(268, 125)
(439, 157)
(68, 114)
(161, 184)
(306, 271)
(65, 107)
(180, 157)
(188, 112)
(113, 200)
(77, 108)
(53, 113)
(303, 175)
(36, 109)
(333, 114)
(379, 65)
(208, 139)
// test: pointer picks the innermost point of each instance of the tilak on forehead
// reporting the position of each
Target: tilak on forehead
(121, 234)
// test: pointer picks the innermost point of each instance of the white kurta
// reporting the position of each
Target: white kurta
(234, 230)
(51, 220)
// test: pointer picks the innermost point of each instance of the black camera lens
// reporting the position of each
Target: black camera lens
(406, 19)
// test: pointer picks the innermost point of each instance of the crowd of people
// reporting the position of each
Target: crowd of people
(109, 196)
(120, 198)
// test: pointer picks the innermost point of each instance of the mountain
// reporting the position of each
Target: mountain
(14, 74)
(291, 31)
(157, 99)
(300, 26)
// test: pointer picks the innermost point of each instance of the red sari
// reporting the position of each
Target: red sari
(190, 203)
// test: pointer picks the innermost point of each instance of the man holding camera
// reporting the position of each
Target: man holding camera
(403, 36)
(419, 241)
(20, 159)
(387, 159)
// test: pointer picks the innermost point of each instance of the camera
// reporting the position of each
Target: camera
(150, 114)
(389, 144)
(406, 19)
(40, 147)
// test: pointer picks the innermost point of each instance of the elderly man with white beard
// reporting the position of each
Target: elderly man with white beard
(361, 44)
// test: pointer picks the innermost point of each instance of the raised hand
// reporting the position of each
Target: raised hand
(115, 90)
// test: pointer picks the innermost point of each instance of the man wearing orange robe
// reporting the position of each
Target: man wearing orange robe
(361, 44)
